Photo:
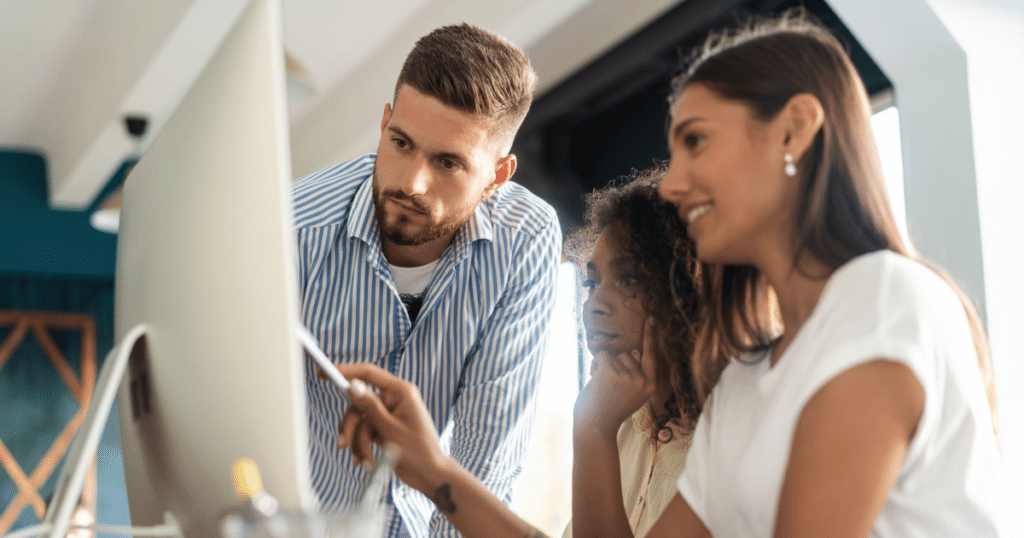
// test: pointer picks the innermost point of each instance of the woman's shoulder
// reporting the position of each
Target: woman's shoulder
(891, 278)
(882, 305)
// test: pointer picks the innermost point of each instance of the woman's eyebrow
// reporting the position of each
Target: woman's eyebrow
(677, 130)
(624, 260)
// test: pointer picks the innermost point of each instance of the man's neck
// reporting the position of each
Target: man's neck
(415, 256)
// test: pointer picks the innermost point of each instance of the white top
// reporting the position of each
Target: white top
(879, 305)
(413, 280)
(648, 470)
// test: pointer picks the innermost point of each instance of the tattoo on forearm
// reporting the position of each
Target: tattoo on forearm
(442, 499)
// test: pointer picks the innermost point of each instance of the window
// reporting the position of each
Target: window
(886, 125)
(543, 493)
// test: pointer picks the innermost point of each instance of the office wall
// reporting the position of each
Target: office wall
(51, 260)
(37, 240)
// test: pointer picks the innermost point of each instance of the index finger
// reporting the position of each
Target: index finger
(370, 409)
(647, 363)
(372, 374)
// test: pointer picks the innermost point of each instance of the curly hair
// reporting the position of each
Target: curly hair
(649, 229)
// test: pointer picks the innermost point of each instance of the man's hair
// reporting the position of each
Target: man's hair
(476, 72)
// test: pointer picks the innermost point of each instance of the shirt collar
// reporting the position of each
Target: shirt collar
(362, 223)
(478, 226)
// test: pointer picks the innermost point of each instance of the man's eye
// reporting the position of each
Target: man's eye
(400, 143)
(449, 164)
(589, 284)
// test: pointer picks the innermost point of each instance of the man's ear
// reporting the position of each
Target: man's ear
(506, 167)
(803, 117)
(387, 117)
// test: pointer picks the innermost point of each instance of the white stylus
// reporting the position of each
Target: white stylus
(311, 346)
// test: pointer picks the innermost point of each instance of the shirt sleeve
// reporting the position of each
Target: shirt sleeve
(493, 416)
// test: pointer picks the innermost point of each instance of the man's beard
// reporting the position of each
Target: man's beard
(398, 231)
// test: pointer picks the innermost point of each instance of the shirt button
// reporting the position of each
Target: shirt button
(639, 499)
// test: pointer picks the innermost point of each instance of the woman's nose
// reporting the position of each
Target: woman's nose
(675, 184)
(594, 305)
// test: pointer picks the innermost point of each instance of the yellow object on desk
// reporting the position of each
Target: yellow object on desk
(245, 475)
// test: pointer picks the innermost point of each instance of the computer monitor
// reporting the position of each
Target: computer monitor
(206, 263)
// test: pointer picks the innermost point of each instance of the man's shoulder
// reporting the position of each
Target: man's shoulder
(513, 207)
(323, 198)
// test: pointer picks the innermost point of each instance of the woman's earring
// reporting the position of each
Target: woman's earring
(790, 167)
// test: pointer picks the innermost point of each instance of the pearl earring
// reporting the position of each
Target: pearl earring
(790, 168)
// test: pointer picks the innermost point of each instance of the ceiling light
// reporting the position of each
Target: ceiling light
(107, 218)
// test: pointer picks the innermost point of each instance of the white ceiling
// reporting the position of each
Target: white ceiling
(72, 69)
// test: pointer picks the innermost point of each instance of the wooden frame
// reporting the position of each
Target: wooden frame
(39, 324)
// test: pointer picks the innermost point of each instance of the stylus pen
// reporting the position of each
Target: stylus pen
(370, 497)
(313, 348)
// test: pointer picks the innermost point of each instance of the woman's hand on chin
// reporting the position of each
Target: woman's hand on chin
(618, 386)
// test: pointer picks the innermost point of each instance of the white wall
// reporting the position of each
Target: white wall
(992, 34)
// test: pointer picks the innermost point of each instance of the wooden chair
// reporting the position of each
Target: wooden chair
(39, 324)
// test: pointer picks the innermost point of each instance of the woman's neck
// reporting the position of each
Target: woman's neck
(797, 290)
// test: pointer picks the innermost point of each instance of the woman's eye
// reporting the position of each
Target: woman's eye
(628, 280)
(589, 284)
(692, 140)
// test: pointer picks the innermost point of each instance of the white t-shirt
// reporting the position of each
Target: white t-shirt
(879, 305)
(412, 283)
(413, 280)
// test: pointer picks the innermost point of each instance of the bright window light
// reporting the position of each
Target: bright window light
(544, 491)
(886, 126)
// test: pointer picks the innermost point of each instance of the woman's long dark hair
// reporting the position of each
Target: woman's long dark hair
(842, 208)
(648, 228)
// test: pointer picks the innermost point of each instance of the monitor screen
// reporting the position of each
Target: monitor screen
(205, 260)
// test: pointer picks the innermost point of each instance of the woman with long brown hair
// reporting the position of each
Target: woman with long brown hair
(844, 394)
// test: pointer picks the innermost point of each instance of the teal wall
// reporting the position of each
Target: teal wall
(35, 239)
(52, 260)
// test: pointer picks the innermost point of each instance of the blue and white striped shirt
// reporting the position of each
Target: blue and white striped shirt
(474, 352)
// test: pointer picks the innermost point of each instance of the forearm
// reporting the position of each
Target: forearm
(471, 508)
(457, 493)
(597, 506)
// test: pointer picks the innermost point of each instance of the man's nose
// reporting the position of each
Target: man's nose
(416, 178)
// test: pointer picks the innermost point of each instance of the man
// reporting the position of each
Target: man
(426, 260)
